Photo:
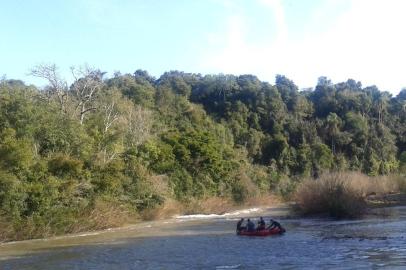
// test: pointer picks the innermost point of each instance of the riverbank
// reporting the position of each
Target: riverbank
(179, 225)
(105, 214)
(372, 195)
(210, 243)
(174, 226)
(214, 205)
(387, 200)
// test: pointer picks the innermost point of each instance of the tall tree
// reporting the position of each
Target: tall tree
(87, 83)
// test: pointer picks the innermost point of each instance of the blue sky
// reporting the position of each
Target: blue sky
(340, 39)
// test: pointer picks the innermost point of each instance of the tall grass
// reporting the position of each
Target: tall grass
(344, 194)
(400, 182)
(104, 214)
(331, 194)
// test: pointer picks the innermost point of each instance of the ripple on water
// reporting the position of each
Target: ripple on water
(237, 266)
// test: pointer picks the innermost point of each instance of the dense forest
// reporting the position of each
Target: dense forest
(129, 142)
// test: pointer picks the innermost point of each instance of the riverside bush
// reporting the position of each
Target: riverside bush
(330, 194)
(344, 194)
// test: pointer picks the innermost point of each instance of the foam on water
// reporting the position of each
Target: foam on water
(228, 266)
(211, 216)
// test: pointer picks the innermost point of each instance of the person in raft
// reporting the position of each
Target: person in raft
(274, 224)
(250, 226)
(261, 224)
(239, 225)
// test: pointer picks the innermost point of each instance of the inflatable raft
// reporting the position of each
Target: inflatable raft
(266, 232)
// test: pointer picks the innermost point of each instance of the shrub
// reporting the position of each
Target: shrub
(400, 182)
(63, 165)
(243, 187)
(285, 186)
(331, 194)
(402, 161)
(239, 192)
(11, 194)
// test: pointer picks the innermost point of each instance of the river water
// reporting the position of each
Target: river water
(209, 242)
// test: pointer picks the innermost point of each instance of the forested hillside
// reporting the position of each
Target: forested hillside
(70, 154)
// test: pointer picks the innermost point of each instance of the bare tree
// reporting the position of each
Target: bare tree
(110, 104)
(87, 83)
(139, 125)
(57, 86)
(111, 114)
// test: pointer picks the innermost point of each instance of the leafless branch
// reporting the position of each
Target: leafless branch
(57, 86)
(87, 83)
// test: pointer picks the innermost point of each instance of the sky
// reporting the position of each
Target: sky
(302, 39)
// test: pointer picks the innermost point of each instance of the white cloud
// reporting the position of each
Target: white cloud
(235, 51)
(366, 43)
(232, 52)
(278, 13)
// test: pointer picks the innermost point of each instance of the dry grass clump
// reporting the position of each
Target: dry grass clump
(378, 185)
(212, 205)
(168, 209)
(6, 231)
(104, 215)
(263, 200)
(400, 183)
(345, 194)
(331, 194)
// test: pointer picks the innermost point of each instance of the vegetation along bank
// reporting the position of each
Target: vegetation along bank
(105, 151)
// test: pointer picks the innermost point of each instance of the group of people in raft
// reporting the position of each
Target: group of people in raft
(250, 227)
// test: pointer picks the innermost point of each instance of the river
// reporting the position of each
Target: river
(209, 242)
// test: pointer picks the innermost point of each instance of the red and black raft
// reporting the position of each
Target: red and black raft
(266, 232)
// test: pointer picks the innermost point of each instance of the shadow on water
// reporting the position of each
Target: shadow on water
(212, 244)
